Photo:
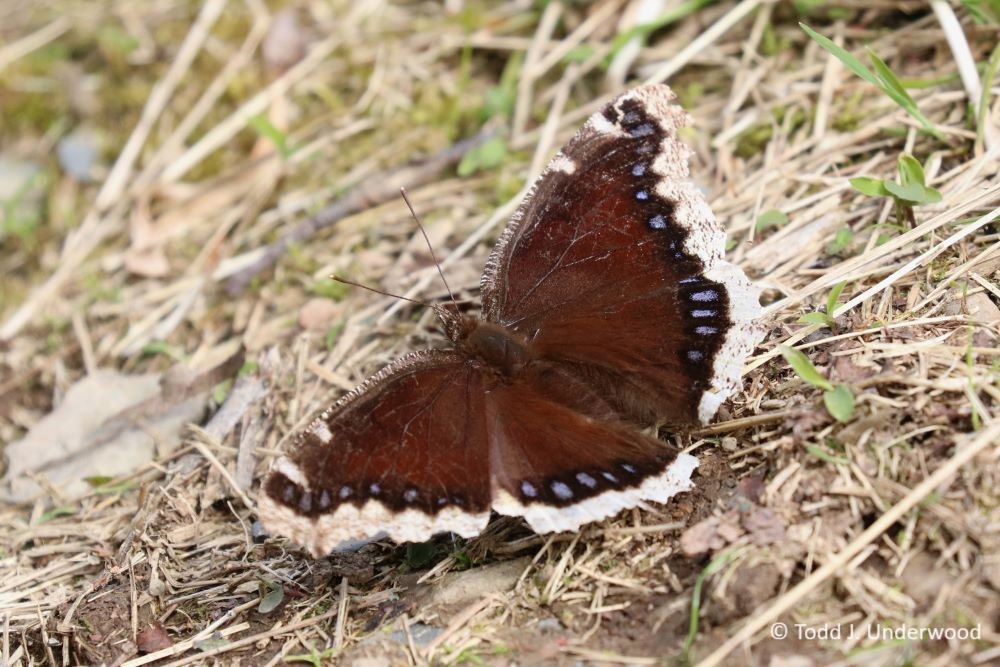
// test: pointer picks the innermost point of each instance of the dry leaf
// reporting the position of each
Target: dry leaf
(764, 525)
(153, 638)
(69, 444)
(703, 537)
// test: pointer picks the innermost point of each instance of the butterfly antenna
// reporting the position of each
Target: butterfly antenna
(423, 231)
(347, 281)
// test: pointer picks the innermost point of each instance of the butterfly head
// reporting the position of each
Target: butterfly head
(456, 325)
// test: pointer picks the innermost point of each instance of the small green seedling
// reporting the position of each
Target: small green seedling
(486, 156)
(826, 319)
(909, 191)
(500, 99)
(770, 218)
(272, 593)
(842, 240)
(314, 657)
(263, 126)
(838, 399)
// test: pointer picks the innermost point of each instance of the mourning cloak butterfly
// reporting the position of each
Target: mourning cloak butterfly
(607, 307)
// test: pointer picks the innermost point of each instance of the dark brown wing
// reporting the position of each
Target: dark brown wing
(613, 267)
(404, 456)
(560, 459)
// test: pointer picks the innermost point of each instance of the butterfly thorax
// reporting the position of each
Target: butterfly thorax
(494, 345)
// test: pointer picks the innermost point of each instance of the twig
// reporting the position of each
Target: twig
(372, 192)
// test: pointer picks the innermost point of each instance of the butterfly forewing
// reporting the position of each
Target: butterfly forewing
(405, 457)
(613, 267)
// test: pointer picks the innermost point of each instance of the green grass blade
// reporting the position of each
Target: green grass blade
(833, 297)
(885, 79)
(989, 75)
(894, 89)
(842, 55)
(890, 82)
(714, 566)
(824, 455)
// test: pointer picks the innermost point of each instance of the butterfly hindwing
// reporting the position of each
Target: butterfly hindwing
(405, 456)
(560, 458)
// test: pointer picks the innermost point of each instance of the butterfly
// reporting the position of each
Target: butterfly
(607, 307)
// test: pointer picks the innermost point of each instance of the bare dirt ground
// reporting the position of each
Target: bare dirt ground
(179, 180)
